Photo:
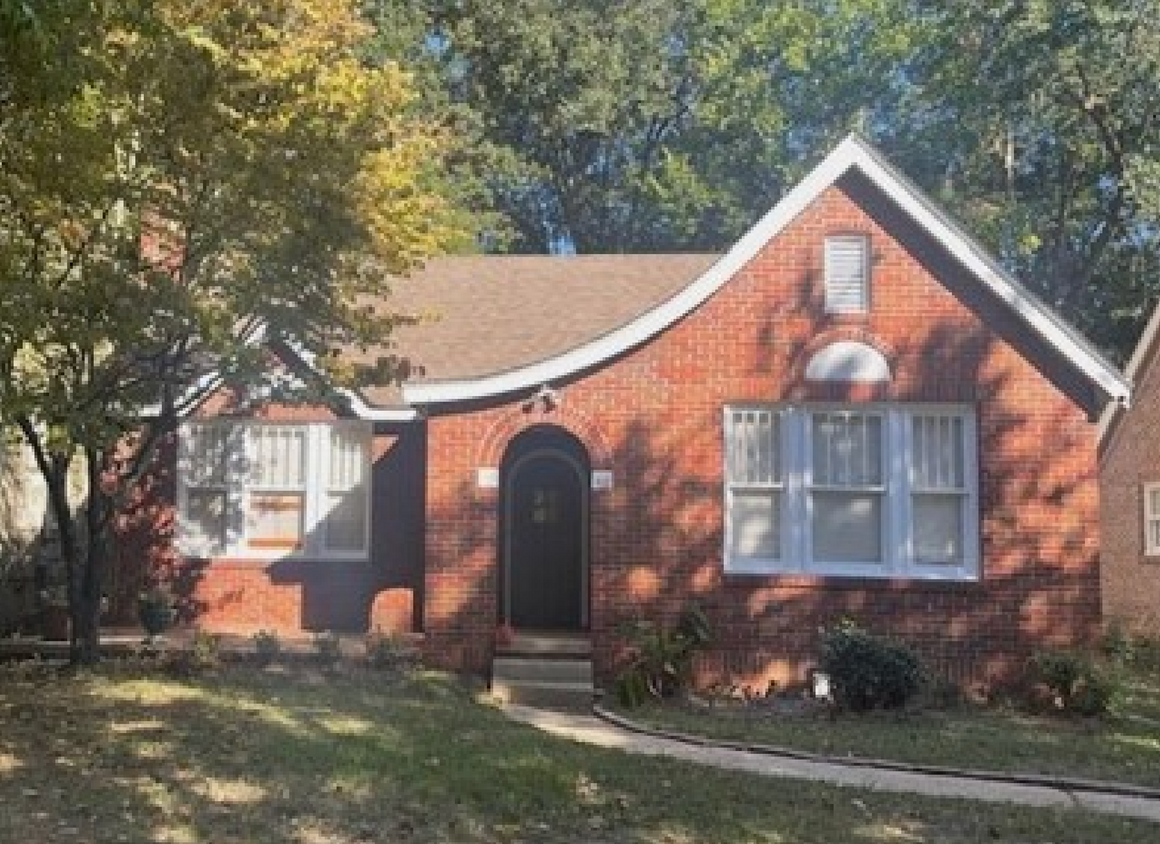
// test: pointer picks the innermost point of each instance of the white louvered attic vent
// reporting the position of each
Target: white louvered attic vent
(847, 274)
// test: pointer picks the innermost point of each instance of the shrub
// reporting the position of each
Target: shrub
(1125, 648)
(1076, 684)
(267, 646)
(661, 659)
(389, 651)
(327, 647)
(203, 654)
(867, 671)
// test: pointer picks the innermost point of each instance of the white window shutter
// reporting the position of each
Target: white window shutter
(847, 274)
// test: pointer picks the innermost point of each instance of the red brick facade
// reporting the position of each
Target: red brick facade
(654, 418)
(295, 597)
(1129, 460)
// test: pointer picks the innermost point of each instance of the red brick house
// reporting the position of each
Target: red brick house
(852, 412)
(1129, 463)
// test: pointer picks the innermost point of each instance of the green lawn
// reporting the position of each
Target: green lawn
(1123, 745)
(244, 755)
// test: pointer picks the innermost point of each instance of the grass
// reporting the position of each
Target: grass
(245, 755)
(1123, 745)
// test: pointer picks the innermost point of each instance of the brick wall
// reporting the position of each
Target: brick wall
(293, 596)
(1131, 458)
(653, 417)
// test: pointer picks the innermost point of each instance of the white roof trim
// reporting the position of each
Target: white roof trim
(212, 380)
(851, 152)
(1131, 371)
(356, 402)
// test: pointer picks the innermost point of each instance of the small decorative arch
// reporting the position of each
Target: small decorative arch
(848, 360)
(519, 418)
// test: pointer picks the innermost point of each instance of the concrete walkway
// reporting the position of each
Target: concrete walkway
(589, 729)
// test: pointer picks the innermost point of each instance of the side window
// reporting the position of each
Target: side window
(847, 274)
(1152, 520)
(755, 485)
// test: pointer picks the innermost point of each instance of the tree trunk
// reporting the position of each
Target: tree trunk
(87, 609)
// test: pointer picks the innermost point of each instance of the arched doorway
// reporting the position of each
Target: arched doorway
(544, 541)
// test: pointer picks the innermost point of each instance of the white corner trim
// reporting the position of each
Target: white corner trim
(847, 360)
(851, 152)
(1131, 373)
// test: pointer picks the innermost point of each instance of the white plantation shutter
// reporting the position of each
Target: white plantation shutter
(938, 484)
(847, 487)
(1152, 519)
(871, 490)
(847, 274)
(754, 475)
(345, 506)
(270, 490)
(203, 458)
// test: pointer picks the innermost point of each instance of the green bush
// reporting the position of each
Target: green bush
(661, 659)
(1131, 650)
(389, 651)
(867, 671)
(327, 647)
(203, 654)
(267, 646)
(1076, 683)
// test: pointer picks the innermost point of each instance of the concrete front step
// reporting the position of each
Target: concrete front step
(550, 682)
(525, 669)
(524, 643)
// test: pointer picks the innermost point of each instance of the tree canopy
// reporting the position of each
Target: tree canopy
(653, 126)
(176, 178)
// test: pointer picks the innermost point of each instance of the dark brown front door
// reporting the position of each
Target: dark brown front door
(546, 542)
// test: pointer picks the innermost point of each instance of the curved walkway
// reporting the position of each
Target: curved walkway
(604, 732)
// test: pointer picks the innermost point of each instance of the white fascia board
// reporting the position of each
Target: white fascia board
(652, 322)
(1132, 371)
(851, 152)
(1035, 313)
(357, 404)
(209, 382)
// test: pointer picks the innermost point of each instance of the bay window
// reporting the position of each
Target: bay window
(270, 490)
(867, 490)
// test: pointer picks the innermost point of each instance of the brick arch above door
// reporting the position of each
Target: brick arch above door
(520, 418)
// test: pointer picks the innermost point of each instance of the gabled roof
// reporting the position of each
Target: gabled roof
(510, 323)
(496, 314)
(1145, 351)
(479, 380)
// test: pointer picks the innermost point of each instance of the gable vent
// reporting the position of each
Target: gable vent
(847, 274)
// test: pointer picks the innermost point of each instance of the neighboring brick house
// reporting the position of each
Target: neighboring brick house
(853, 412)
(1130, 494)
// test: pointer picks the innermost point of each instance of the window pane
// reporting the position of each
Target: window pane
(345, 522)
(348, 457)
(274, 520)
(847, 449)
(753, 447)
(1154, 502)
(937, 452)
(279, 457)
(756, 525)
(847, 527)
(1154, 532)
(206, 452)
(203, 524)
(938, 528)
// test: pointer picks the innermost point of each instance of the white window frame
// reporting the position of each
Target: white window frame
(778, 486)
(317, 493)
(899, 559)
(834, 303)
(1151, 549)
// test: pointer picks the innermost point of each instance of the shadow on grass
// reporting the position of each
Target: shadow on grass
(298, 756)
